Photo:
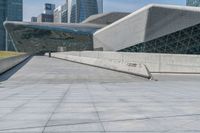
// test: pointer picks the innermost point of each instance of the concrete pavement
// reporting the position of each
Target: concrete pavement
(54, 96)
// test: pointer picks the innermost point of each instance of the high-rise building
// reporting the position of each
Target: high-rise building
(64, 13)
(48, 15)
(193, 3)
(79, 10)
(45, 18)
(100, 6)
(33, 19)
(58, 14)
(49, 8)
(11, 10)
(2, 19)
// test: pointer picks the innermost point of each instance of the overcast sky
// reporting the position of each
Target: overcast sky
(35, 7)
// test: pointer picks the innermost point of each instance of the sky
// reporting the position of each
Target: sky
(35, 7)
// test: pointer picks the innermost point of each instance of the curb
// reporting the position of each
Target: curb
(9, 63)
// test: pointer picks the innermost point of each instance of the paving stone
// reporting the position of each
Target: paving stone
(54, 96)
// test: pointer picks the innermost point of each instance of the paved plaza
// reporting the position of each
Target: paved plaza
(47, 95)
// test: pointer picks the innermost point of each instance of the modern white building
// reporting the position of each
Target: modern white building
(154, 28)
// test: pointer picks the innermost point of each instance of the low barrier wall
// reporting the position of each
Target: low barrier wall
(8, 63)
(131, 68)
(156, 63)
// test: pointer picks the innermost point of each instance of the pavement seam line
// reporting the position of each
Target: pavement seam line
(20, 106)
(59, 103)
(94, 106)
(137, 119)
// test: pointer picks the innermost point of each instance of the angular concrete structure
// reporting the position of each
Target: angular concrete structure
(36, 37)
(105, 18)
(153, 29)
(148, 23)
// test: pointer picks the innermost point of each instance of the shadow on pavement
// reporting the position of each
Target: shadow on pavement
(5, 76)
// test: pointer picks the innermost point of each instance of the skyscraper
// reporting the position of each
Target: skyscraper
(48, 15)
(2, 19)
(79, 10)
(193, 3)
(64, 13)
(49, 8)
(11, 10)
(100, 6)
(33, 19)
(58, 14)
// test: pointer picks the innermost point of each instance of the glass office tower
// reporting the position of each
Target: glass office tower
(64, 13)
(193, 3)
(100, 6)
(79, 10)
(11, 10)
(2, 19)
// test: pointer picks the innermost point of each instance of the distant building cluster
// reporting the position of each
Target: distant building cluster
(79, 10)
(73, 11)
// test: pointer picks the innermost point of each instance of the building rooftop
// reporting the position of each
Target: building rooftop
(148, 23)
(82, 28)
(105, 18)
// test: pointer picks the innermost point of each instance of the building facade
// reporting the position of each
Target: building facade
(100, 6)
(49, 8)
(193, 3)
(58, 14)
(154, 28)
(11, 10)
(48, 15)
(2, 19)
(64, 13)
(45, 18)
(33, 19)
(79, 10)
(40, 37)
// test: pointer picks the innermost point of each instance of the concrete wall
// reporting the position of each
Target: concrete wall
(85, 58)
(166, 19)
(121, 33)
(8, 63)
(158, 63)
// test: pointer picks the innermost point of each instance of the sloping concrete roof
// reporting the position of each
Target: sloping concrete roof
(82, 28)
(105, 18)
(35, 37)
(147, 23)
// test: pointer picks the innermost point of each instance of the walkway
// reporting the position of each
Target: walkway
(54, 96)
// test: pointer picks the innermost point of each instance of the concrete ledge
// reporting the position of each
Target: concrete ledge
(130, 68)
(156, 63)
(8, 63)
